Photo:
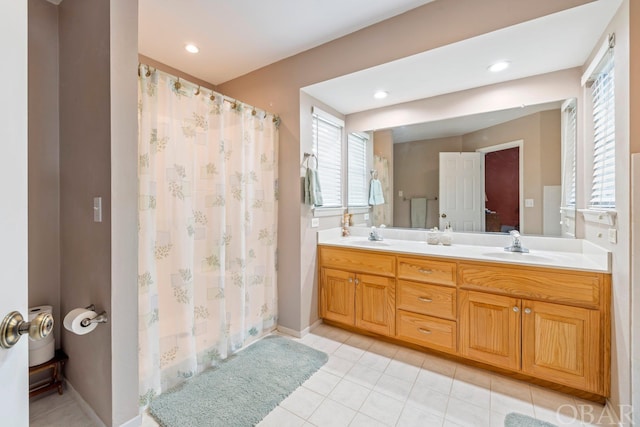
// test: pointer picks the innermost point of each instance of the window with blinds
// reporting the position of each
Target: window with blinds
(604, 168)
(357, 177)
(569, 140)
(327, 146)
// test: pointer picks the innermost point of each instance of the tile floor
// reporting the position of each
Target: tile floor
(371, 383)
(54, 410)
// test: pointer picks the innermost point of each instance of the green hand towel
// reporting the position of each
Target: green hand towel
(312, 191)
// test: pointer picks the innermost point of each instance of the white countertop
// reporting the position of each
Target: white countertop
(573, 254)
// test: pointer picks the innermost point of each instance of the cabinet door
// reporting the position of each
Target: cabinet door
(337, 294)
(375, 304)
(561, 343)
(490, 328)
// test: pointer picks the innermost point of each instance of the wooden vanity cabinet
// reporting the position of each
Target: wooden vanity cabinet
(543, 323)
(347, 296)
(563, 343)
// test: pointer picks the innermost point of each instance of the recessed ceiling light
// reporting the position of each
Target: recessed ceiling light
(192, 48)
(381, 94)
(499, 66)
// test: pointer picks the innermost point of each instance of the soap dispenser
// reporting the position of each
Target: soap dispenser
(447, 237)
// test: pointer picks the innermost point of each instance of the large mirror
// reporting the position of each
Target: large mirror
(493, 172)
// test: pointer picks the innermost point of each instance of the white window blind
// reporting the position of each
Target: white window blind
(604, 168)
(569, 140)
(357, 170)
(327, 146)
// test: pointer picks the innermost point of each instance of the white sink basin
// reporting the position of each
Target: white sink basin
(373, 243)
(517, 256)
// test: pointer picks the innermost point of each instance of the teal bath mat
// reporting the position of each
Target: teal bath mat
(519, 420)
(243, 389)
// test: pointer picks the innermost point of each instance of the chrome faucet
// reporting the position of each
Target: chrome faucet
(516, 244)
(375, 235)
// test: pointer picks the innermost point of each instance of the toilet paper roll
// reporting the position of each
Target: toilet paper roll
(72, 321)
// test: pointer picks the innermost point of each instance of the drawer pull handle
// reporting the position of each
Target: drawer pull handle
(424, 331)
(425, 299)
(527, 311)
(424, 271)
(516, 309)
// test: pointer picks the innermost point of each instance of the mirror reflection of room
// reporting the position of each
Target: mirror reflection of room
(513, 193)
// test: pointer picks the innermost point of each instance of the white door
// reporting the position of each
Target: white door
(14, 393)
(461, 191)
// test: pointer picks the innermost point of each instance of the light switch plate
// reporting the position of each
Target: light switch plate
(315, 222)
(366, 217)
(613, 235)
(400, 193)
(97, 209)
(528, 203)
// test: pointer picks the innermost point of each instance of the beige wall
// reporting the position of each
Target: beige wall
(124, 213)
(44, 166)
(85, 173)
(276, 88)
(98, 158)
(417, 174)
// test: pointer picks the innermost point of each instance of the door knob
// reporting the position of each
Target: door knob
(527, 311)
(13, 327)
(443, 215)
(516, 309)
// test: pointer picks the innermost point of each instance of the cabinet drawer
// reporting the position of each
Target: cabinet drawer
(426, 331)
(573, 288)
(422, 298)
(427, 270)
(358, 261)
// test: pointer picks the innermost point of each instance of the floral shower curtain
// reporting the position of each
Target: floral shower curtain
(382, 214)
(207, 179)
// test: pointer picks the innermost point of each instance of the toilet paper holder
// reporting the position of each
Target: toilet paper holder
(100, 318)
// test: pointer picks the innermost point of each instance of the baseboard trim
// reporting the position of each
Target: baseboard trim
(612, 412)
(86, 408)
(299, 334)
(133, 422)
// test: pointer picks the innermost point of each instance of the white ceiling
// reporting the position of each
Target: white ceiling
(463, 125)
(239, 36)
(551, 43)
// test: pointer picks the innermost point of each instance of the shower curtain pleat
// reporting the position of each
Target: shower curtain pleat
(207, 229)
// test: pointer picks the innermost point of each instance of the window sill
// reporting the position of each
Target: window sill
(596, 216)
(358, 209)
(322, 212)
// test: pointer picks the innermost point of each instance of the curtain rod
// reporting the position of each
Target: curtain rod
(235, 104)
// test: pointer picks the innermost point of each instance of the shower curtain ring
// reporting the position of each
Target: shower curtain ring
(197, 92)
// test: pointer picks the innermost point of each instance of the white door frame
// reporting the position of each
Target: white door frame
(505, 146)
(14, 391)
